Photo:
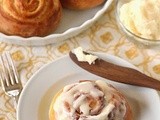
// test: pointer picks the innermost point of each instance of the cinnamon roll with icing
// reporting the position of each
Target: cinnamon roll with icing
(89, 100)
(28, 18)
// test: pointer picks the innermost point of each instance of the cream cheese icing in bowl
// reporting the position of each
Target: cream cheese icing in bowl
(140, 20)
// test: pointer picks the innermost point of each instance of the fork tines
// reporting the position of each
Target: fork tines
(9, 75)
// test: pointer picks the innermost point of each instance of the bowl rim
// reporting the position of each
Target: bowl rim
(126, 29)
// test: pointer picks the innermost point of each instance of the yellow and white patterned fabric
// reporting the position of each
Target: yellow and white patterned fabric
(103, 36)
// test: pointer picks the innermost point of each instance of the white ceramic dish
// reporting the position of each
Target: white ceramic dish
(39, 91)
(72, 23)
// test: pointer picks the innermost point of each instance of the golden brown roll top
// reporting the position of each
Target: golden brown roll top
(29, 17)
(90, 100)
(81, 4)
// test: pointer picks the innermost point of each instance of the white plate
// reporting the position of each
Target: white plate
(39, 91)
(72, 23)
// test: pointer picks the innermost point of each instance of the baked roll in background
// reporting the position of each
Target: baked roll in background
(89, 100)
(28, 18)
(81, 4)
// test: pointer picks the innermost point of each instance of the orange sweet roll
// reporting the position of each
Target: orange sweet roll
(28, 18)
(81, 4)
(89, 100)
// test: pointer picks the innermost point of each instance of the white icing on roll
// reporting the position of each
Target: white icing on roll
(89, 101)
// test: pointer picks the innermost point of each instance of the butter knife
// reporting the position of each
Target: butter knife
(117, 73)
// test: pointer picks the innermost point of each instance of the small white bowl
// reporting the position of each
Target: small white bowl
(140, 41)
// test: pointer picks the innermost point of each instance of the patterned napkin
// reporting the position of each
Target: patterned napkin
(103, 36)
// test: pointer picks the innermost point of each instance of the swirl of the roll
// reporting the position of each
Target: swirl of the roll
(29, 17)
(90, 100)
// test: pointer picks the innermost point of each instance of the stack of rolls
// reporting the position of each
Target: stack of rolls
(89, 100)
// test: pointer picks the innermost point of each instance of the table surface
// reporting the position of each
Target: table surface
(103, 36)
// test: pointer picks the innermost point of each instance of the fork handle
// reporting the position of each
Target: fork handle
(15, 100)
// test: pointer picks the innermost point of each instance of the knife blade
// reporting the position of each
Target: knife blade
(117, 73)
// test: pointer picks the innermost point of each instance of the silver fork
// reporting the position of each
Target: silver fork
(9, 77)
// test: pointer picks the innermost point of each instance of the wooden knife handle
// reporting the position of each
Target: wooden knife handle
(118, 73)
